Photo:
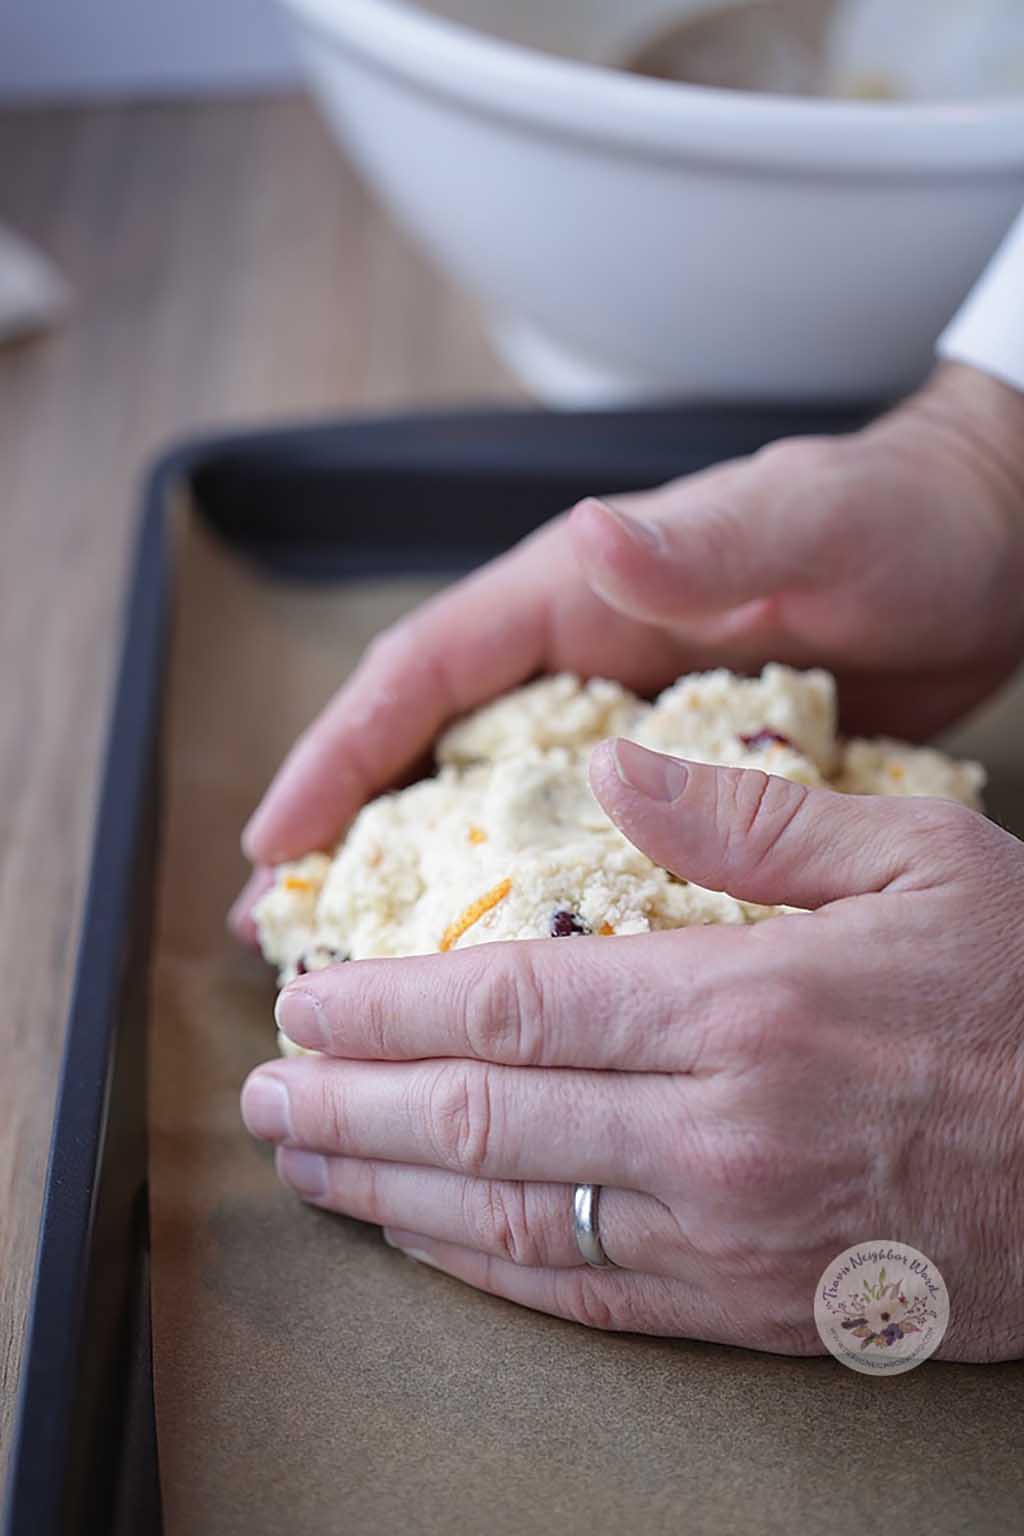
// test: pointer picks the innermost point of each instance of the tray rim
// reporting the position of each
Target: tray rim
(52, 1338)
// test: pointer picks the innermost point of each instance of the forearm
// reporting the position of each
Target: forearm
(965, 429)
(985, 417)
(977, 389)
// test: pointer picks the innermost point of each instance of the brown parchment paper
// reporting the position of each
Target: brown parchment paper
(309, 1379)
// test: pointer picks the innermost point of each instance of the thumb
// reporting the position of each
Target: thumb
(749, 529)
(761, 838)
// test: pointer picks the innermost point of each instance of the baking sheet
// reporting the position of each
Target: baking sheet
(310, 1379)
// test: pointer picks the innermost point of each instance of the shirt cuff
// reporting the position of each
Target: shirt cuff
(987, 330)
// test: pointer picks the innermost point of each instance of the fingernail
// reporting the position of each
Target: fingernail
(406, 1242)
(250, 839)
(246, 837)
(305, 1172)
(650, 773)
(239, 918)
(265, 1108)
(299, 1015)
(641, 529)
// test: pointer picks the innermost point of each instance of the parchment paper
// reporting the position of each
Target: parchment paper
(311, 1380)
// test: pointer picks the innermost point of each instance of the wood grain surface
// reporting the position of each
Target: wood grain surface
(228, 268)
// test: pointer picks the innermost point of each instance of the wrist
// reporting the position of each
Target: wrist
(968, 427)
(986, 415)
(983, 418)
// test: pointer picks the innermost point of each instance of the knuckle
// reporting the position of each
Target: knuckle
(502, 1009)
(759, 811)
(793, 458)
(947, 826)
(719, 534)
(371, 1195)
(743, 1167)
(775, 1025)
(934, 838)
(746, 1039)
(460, 1116)
(331, 1119)
(734, 1254)
(505, 1223)
(387, 643)
(583, 1300)
(406, 647)
(375, 1006)
(531, 1006)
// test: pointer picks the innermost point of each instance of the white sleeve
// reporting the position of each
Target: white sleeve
(987, 330)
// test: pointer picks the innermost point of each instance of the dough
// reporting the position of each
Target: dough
(508, 842)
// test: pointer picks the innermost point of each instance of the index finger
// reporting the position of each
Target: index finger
(473, 640)
(639, 1003)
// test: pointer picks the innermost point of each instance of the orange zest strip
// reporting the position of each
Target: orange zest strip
(477, 834)
(296, 883)
(474, 912)
(606, 929)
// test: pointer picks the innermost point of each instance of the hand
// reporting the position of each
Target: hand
(752, 1099)
(893, 556)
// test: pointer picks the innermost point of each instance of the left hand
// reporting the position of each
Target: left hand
(752, 1099)
(815, 551)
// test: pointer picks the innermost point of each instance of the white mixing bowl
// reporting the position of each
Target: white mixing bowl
(635, 238)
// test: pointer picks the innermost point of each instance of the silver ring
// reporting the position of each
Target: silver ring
(585, 1198)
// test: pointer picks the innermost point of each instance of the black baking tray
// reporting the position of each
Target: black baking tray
(329, 503)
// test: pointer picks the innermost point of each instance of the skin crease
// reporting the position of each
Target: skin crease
(752, 1099)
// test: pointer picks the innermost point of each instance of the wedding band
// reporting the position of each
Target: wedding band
(585, 1199)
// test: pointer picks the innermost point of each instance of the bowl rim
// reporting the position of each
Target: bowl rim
(626, 112)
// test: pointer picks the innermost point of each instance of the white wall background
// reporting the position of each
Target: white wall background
(75, 48)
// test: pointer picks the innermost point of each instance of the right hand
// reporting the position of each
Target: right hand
(894, 556)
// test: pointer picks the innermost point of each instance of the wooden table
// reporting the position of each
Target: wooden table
(228, 268)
